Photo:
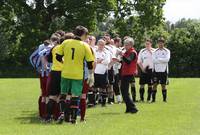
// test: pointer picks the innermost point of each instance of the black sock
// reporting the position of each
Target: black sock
(142, 94)
(62, 106)
(149, 93)
(67, 110)
(154, 95)
(50, 106)
(164, 93)
(91, 98)
(133, 92)
(103, 98)
(74, 108)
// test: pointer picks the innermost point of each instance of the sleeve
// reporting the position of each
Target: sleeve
(60, 50)
(106, 61)
(89, 57)
(50, 57)
(166, 59)
(130, 58)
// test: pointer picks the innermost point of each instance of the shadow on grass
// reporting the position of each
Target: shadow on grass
(29, 117)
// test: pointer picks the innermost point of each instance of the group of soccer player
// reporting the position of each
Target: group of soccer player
(78, 72)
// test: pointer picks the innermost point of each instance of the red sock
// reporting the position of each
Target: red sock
(56, 111)
(40, 106)
(83, 108)
(43, 110)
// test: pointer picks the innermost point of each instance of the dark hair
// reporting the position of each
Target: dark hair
(149, 40)
(60, 32)
(46, 42)
(68, 35)
(80, 31)
(55, 38)
(161, 39)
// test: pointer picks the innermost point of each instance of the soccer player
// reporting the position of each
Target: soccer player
(145, 63)
(55, 77)
(44, 50)
(128, 70)
(112, 50)
(116, 68)
(74, 51)
(92, 94)
(102, 60)
(161, 57)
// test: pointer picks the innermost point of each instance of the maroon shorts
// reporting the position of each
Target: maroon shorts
(85, 87)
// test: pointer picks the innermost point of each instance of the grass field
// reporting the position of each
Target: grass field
(180, 116)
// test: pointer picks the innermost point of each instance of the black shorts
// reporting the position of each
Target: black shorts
(55, 83)
(100, 80)
(146, 78)
(111, 76)
(160, 78)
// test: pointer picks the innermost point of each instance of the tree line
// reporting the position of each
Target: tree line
(24, 24)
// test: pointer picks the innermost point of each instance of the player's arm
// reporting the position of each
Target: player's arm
(129, 58)
(89, 57)
(139, 62)
(106, 61)
(155, 59)
(60, 52)
(50, 57)
(166, 59)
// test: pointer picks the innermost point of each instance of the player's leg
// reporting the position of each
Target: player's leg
(42, 98)
(116, 88)
(155, 84)
(65, 87)
(110, 86)
(83, 100)
(142, 82)
(150, 85)
(163, 85)
(54, 92)
(76, 89)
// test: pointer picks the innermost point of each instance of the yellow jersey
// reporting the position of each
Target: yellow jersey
(75, 52)
(56, 65)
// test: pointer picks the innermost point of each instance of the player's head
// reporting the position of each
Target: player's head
(128, 43)
(161, 42)
(112, 42)
(106, 38)
(117, 41)
(60, 32)
(67, 35)
(81, 32)
(91, 40)
(101, 44)
(55, 39)
(148, 43)
(46, 42)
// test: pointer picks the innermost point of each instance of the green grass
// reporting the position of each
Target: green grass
(180, 116)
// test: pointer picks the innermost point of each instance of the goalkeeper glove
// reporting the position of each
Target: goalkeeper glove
(90, 80)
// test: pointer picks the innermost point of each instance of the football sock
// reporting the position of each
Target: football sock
(142, 94)
(164, 93)
(50, 107)
(149, 93)
(133, 92)
(83, 108)
(74, 108)
(154, 95)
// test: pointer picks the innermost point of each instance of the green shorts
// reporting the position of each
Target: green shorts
(71, 85)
